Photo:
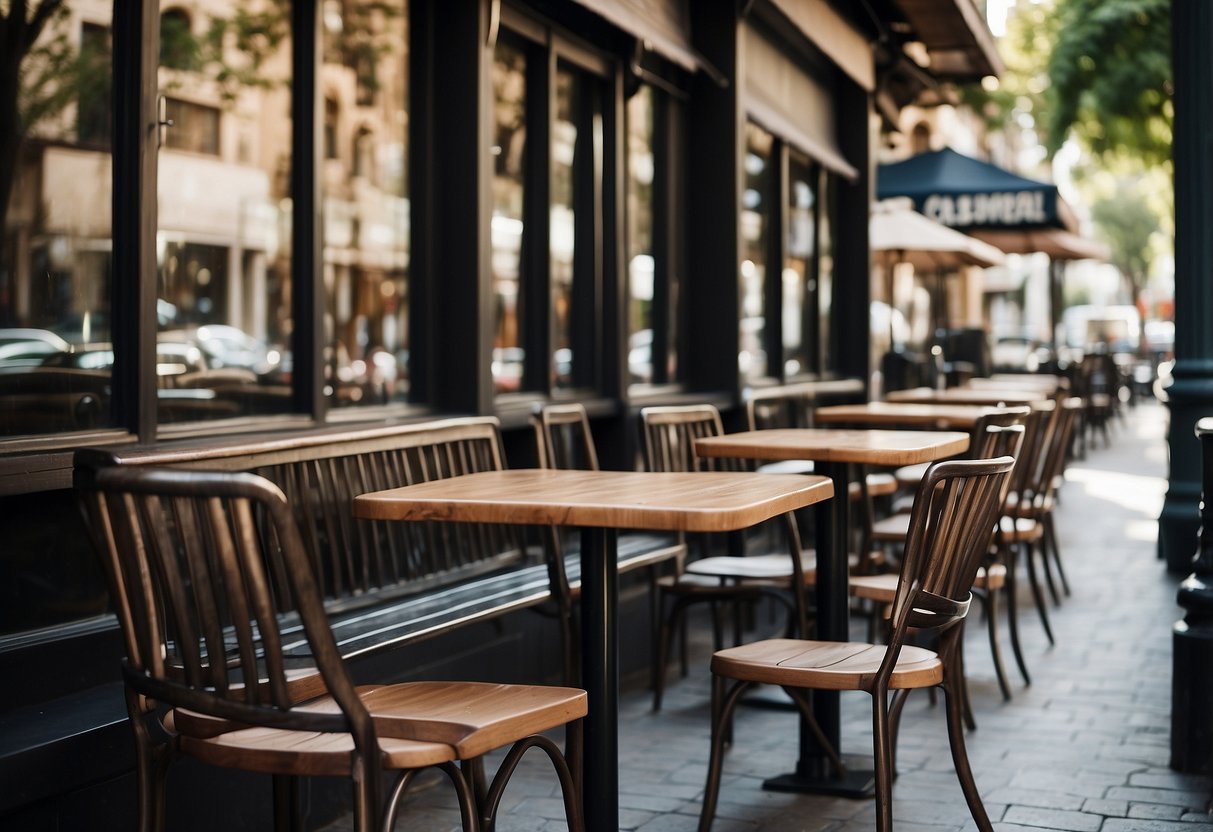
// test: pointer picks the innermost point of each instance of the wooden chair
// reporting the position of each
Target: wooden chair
(206, 570)
(951, 525)
(669, 445)
(1002, 435)
(988, 440)
(564, 441)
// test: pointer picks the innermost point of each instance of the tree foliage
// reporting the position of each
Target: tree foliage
(1130, 226)
(1110, 78)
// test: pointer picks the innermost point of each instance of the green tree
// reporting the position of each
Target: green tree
(1130, 227)
(1110, 78)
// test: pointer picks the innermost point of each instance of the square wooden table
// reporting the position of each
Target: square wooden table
(600, 502)
(968, 395)
(928, 416)
(832, 451)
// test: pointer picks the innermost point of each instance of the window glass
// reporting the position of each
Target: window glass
(566, 145)
(366, 208)
(641, 265)
(827, 361)
(509, 157)
(55, 227)
(799, 280)
(223, 240)
(755, 219)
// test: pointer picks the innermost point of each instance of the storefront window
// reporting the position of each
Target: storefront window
(223, 235)
(799, 278)
(55, 229)
(641, 279)
(755, 221)
(366, 208)
(827, 361)
(509, 157)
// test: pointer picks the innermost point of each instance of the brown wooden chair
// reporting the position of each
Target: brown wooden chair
(951, 525)
(208, 572)
(563, 440)
(992, 436)
(669, 445)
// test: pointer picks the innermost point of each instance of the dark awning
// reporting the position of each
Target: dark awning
(663, 25)
(969, 194)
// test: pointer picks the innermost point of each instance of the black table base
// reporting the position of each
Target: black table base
(600, 677)
(859, 780)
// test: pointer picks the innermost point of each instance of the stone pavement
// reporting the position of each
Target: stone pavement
(1084, 748)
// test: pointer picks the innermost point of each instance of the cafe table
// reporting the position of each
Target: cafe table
(968, 395)
(832, 452)
(928, 415)
(600, 503)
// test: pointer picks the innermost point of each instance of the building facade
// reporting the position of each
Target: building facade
(248, 217)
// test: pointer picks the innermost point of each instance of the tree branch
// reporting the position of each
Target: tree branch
(42, 14)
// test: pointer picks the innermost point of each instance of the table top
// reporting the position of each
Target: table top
(871, 447)
(1012, 381)
(693, 502)
(967, 395)
(913, 414)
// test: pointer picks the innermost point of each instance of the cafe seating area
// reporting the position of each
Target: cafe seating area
(288, 558)
(1085, 746)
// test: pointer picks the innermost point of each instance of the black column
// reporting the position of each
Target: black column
(714, 204)
(1191, 394)
(1192, 642)
(850, 336)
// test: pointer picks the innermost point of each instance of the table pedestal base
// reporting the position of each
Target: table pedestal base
(859, 782)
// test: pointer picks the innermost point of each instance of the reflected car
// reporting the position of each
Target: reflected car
(227, 346)
(29, 347)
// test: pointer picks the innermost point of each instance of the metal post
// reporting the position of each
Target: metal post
(1190, 397)
(1192, 643)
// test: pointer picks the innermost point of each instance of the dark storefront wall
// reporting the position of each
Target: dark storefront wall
(368, 280)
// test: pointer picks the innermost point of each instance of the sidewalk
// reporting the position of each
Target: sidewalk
(1085, 748)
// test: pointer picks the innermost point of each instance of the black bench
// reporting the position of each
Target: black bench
(384, 583)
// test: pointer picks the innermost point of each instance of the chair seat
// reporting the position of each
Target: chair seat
(787, 466)
(891, 529)
(883, 588)
(755, 567)
(825, 665)
(472, 718)
(880, 484)
(910, 475)
(1019, 529)
(277, 751)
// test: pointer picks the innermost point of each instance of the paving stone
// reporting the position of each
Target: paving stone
(1034, 797)
(1170, 797)
(1053, 819)
(1107, 808)
(1138, 825)
(1155, 811)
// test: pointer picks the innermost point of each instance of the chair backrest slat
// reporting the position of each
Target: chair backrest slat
(670, 434)
(951, 525)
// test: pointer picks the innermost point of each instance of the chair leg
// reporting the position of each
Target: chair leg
(1037, 593)
(883, 758)
(990, 603)
(1046, 568)
(962, 682)
(286, 804)
(956, 737)
(665, 636)
(1050, 529)
(568, 788)
(401, 786)
(152, 760)
(722, 712)
(899, 703)
(1013, 613)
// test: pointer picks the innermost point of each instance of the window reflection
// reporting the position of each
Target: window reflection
(223, 237)
(755, 219)
(799, 281)
(641, 278)
(509, 146)
(827, 360)
(55, 230)
(366, 210)
(566, 145)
